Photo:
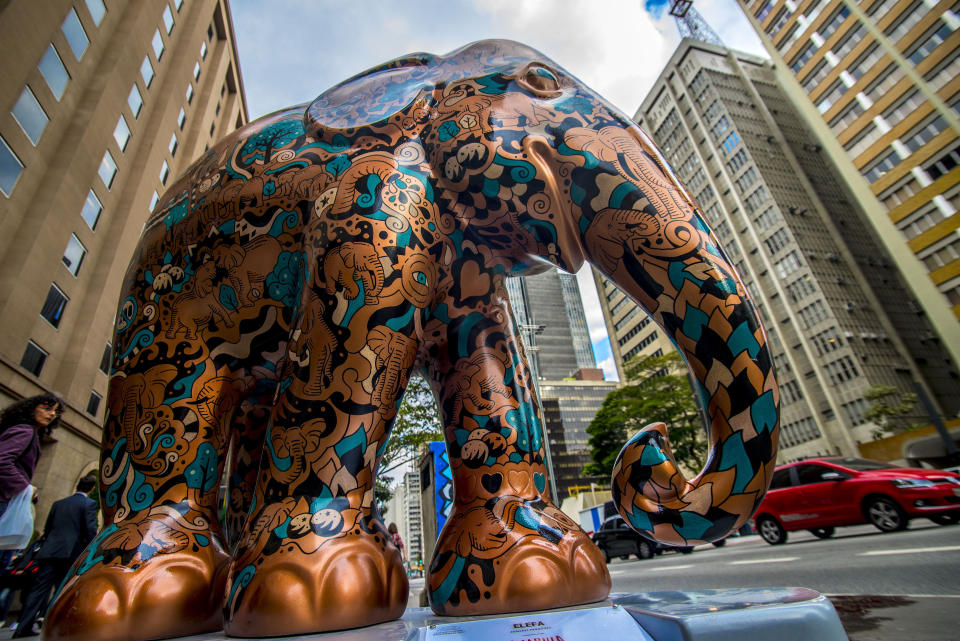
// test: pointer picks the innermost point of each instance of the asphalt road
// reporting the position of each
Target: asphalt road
(899, 586)
(903, 586)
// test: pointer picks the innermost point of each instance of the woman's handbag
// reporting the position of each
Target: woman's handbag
(16, 523)
(23, 570)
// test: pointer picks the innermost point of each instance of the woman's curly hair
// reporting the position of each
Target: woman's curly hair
(21, 412)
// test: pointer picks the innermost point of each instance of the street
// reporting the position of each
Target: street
(903, 586)
(912, 577)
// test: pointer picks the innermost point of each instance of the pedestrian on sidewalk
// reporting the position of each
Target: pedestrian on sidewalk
(398, 541)
(71, 525)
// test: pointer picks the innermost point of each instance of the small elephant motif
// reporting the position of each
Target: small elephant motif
(291, 282)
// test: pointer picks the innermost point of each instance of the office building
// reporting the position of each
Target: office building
(104, 104)
(568, 408)
(878, 82)
(413, 531)
(836, 310)
(552, 323)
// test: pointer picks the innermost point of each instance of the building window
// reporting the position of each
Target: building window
(189, 94)
(105, 359)
(108, 169)
(918, 138)
(97, 10)
(146, 72)
(53, 71)
(33, 358)
(880, 168)
(164, 172)
(730, 142)
(91, 210)
(803, 57)
(30, 115)
(121, 133)
(179, 4)
(153, 201)
(73, 256)
(203, 50)
(196, 71)
(168, 19)
(943, 164)
(76, 36)
(173, 145)
(10, 168)
(135, 101)
(52, 310)
(93, 404)
(181, 119)
(157, 43)
(928, 44)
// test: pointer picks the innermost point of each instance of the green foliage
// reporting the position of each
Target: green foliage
(891, 410)
(382, 493)
(657, 390)
(417, 422)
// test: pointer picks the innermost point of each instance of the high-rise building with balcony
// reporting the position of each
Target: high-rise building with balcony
(838, 314)
(103, 105)
(878, 82)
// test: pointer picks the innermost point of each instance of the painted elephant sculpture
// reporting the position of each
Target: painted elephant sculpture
(388, 214)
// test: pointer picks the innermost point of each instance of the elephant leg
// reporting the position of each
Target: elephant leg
(158, 568)
(314, 555)
(507, 548)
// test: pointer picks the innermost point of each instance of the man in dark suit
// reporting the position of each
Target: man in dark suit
(71, 525)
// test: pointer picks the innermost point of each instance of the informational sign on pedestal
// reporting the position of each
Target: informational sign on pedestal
(611, 622)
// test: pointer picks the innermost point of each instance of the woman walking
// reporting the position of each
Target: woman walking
(21, 426)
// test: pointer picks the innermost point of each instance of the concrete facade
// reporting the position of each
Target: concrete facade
(103, 104)
(878, 82)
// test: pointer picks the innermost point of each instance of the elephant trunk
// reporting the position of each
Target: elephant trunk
(665, 257)
(381, 164)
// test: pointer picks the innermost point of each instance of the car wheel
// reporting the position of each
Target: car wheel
(624, 557)
(885, 515)
(771, 531)
(686, 550)
(606, 555)
(946, 519)
(644, 550)
(823, 532)
(720, 543)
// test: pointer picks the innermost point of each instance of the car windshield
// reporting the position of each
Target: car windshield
(861, 464)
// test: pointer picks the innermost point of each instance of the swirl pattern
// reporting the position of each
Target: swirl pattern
(292, 280)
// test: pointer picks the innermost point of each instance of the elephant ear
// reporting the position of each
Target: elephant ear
(373, 95)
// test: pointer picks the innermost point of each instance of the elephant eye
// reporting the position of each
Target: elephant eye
(540, 80)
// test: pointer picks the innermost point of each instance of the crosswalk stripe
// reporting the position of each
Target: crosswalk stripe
(670, 567)
(779, 559)
(942, 548)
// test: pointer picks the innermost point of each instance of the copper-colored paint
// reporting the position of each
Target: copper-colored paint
(298, 273)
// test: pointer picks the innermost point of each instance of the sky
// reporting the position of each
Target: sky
(292, 50)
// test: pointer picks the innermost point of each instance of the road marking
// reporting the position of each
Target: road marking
(908, 596)
(942, 548)
(779, 559)
(670, 567)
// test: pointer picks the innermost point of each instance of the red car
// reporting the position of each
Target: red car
(822, 493)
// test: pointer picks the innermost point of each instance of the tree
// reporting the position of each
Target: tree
(417, 422)
(890, 409)
(657, 390)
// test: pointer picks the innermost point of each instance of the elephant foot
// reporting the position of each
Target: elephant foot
(348, 582)
(168, 595)
(511, 555)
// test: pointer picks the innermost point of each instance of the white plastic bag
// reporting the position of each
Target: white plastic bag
(16, 523)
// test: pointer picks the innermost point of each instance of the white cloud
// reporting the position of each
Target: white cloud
(609, 369)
